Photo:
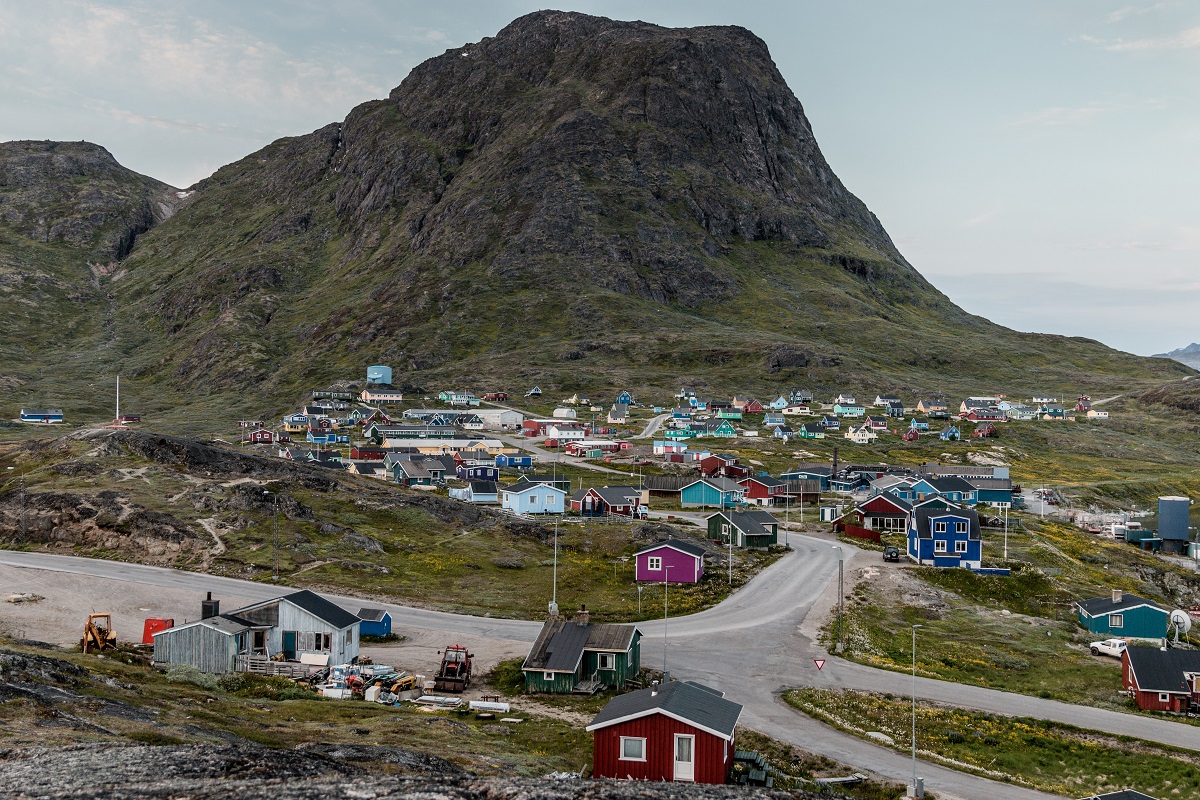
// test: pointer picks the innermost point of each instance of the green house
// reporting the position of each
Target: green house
(1123, 615)
(714, 427)
(730, 413)
(577, 656)
(680, 433)
(749, 529)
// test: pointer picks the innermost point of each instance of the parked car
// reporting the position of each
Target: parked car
(891, 553)
(1109, 647)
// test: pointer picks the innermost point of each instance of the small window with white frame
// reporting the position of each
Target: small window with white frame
(633, 748)
(1116, 620)
(939, 545)
(960, 527)
(960, 546)
(547, 676)
(607, 661)
(1164, 697)
(939, 527)
(654, 563)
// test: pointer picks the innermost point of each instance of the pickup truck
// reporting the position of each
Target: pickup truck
(891, 553)
(1109, 647)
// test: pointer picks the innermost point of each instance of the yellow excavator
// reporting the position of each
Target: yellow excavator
(98, 634)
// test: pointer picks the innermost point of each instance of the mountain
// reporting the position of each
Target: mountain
(575, 202)
(1189, 355)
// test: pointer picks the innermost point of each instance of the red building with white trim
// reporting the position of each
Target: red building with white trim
(677, 731)
(1162, 680)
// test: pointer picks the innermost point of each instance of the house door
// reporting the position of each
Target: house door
(289, 645)
(685, 757)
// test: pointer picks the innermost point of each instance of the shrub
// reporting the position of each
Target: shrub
(185, 673)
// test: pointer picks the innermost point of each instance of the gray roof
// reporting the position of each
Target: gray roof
(1162, 670)
(560, 644)
(719, 483)
(1099, 606)
(752, 523)
(686, 701)
(666, 483)
(690, 548)
(371, 614)
(1124, 794)
(483, 487)
(319, 607)
(612, 495)
(765, 480)
(922, 517)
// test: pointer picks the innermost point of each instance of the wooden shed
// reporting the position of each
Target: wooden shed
(679, 731)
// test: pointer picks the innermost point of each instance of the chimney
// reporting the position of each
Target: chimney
(209, 607)
(653, 688)
(1117, 595)
(582, 616)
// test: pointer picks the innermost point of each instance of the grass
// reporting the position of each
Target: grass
(1043, 755)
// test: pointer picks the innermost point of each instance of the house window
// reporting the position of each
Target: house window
(533, 499)
(633, 749)
(725, 531)
(960, 527)
(939, 527)
(654, 563)
(607, 661)
(1164, 697)
(550, 499)
(1116, 620)
(960, 546)
(313, 641)
(939, 545)
(547, 676)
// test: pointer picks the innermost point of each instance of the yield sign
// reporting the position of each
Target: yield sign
(820, 662)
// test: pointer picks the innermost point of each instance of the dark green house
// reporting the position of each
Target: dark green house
(1125, 616)
(748, 528)
(579, 656)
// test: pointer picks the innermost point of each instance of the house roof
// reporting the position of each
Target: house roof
(749, 522)
(561, 642)
(522, 488)
(685, 701)
(1002, 484)
(675, 544)
(321, 608)
(1123, 794)
(371, 614)
(718, 483)
(950, 483)
(923, 517)
(1099, 606)
(483, 487)
(901, 505)
(611, 495)
(666, 483)
(1162, 670)
(765, 480)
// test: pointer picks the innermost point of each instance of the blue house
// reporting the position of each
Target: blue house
(512, 460)
(533, 498)
(919, 424)
(830, 423)
(374, 622)
(46, 415)
(779, 403)
(955, 489)
(993, 491)
(949, 434)
(624, 398)
(945, 538)
(328, 437)
(477, 472)
(1123, 615)
(712, 493)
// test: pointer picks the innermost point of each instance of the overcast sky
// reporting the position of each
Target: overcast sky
(1038, 161)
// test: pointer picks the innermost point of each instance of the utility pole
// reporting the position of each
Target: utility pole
(915, 791)
(666, 575)
(837, 642)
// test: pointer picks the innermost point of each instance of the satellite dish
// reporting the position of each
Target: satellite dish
(1180, 622)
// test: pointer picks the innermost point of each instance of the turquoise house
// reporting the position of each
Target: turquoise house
(1124, 616)
(712, 493)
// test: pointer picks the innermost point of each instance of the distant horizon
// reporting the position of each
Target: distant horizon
(1051, 192)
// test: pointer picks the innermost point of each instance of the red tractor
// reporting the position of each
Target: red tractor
(454, 675)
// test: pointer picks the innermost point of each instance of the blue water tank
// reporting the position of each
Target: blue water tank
(379, 374)
(1173, 518)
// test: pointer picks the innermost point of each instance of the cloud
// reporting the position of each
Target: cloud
(1058, 116)
(1183, 40)
(1136, 11)
(980, 219)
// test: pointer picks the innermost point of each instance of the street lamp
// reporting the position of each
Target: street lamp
(274, 535)
(837, 642)
(915, 791)
(554, 595)
(666, 575)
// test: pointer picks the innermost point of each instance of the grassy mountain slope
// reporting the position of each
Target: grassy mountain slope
(575, 202)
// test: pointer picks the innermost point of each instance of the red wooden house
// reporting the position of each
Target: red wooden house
(679, 731)
(360, 452)
(911, 435)
(985, 430)
(985, 415)
(722, 465)
(1162, 680)
(763, 490)
(752, 407)
(260, 436)
(884, 512)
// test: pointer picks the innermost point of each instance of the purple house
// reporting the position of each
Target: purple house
(674, 561)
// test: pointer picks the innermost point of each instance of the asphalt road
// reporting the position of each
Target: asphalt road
(652, 426)
(757, 643)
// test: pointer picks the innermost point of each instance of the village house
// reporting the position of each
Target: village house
(1123, 615)
(762, 490)
(672, 561)
(755, 530)
(533, 498)
(381, 396)
(299, 627)
(949, 538)
(477, 492)
(715, 492)
(579, 656)
(677, 731)
(604, 501)
(1162, 680)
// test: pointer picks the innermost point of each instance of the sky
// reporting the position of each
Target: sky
(1039, 162)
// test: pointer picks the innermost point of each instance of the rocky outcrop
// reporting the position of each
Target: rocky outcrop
(77, 194)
